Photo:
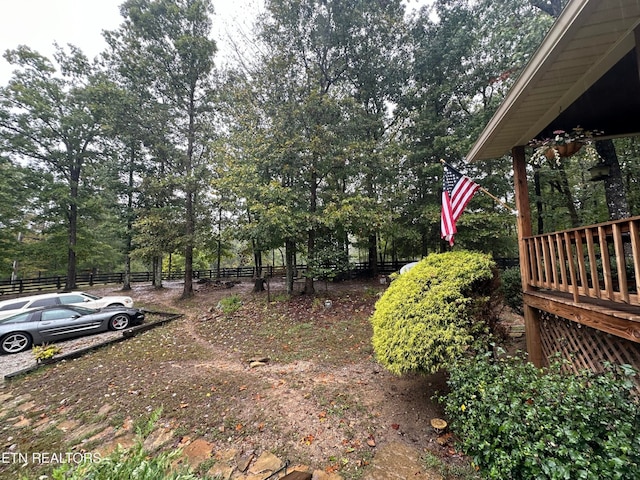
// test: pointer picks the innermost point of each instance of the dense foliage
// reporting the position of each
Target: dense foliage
(430, 315)
(319, 143)
(511, 287)
(518, 421)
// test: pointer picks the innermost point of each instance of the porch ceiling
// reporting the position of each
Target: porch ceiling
(585, 74)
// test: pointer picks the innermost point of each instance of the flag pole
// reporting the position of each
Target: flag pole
(496, 199)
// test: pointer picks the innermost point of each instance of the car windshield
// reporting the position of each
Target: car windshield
(91, 296)
(13, 306)
(18, 317)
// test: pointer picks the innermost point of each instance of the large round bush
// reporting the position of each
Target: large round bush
(430, 315)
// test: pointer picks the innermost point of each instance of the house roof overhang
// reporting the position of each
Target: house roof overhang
(585, 73)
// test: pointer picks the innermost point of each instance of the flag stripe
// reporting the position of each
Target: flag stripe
(457, 191)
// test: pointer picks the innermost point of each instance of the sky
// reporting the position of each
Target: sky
(40, 23)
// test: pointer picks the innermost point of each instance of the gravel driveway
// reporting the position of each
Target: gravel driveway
(19, 361)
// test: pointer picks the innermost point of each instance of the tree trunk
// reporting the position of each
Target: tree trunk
(188, 249)
(613, 185)
(219, 243)
(157, 271)
(127, 265)
(190, 200)
(373, 254)
(126, 279)
(290, 258)
(309, 288)
(563, 187)
(73, 229)
(257, 260)
(258, 285)
(538, 192)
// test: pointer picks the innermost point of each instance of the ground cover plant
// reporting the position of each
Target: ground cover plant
(432, 314)
(518, 421)
(132, 463)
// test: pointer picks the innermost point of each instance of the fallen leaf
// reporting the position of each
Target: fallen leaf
(371, 441)
(238, 427)
(184, 405)
(332, 469)
(395, 426)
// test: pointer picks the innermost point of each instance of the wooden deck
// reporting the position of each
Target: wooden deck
(622, 320)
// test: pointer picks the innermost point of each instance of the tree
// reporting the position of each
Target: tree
(170, 40)
(16, 209)
(330, 77)
(466, 55)
(53, 119)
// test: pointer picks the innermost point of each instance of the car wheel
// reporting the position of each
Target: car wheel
(119, 321)
(15, 342)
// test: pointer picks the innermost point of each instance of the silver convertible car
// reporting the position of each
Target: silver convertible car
(51, 324)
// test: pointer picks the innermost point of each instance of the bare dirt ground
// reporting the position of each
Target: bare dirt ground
(295, 377)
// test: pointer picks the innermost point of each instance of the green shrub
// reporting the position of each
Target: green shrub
(518, 421)
(511, 287)
(430, 315)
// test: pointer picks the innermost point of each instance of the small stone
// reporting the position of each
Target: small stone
(67, 425)
(157, 439)
(220, 471)
(266, 462)
(23, 422)
(24, 407)
(322, 475)
(243, 461)
(260, 359)
(106, 408)
(226, 456)
(197, 452)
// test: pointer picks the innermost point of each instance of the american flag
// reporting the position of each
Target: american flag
(457, 190)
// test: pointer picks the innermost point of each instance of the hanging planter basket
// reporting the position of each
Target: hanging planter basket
(564, 150)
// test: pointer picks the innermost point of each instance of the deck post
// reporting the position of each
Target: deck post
(531, 315)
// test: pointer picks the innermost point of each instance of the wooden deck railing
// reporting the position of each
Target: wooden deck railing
(598, 261)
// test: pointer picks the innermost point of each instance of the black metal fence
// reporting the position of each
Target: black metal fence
(57, 282)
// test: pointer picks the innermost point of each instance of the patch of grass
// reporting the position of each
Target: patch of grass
(49, 440)
(450, 470)
(297, 329)
(231, 304)
(116, 420)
